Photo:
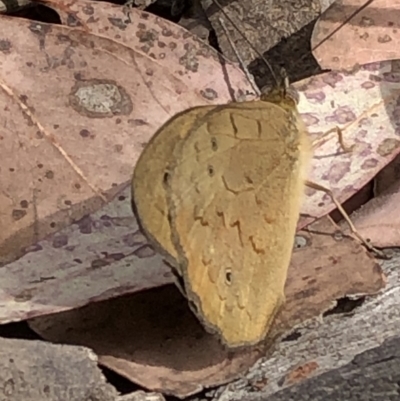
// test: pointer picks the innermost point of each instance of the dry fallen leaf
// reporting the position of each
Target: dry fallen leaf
(77, 108)
(37, 371)
(98, 257)
(379, 222)
(343, 38)
(364, 105)
(153, 339)
(379, 219)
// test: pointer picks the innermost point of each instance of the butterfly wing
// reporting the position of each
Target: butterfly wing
(148, 192)
(234, 195)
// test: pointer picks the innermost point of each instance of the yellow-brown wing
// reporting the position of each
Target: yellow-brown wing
(234, 195)
(148, 192)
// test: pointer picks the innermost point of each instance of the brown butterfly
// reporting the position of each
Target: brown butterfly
(218, 191)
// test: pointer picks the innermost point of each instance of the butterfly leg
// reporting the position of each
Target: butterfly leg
(339, 134)
(353, 229)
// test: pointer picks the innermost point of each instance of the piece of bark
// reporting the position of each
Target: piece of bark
(321, 346)
(142, 4)
(141, 396)
(153, 339)
(372, 375)
(195, 20)
(264, 23)
(37, 371)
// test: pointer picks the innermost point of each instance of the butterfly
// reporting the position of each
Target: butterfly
(218, 191)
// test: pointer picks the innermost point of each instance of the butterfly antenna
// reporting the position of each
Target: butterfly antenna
(249, 77)
(349, 18)
(248, 42)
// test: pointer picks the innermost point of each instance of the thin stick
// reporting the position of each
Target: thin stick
(353, 229)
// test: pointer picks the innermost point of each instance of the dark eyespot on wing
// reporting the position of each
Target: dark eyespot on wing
(214, 144)
(166, 179)
(228, 276)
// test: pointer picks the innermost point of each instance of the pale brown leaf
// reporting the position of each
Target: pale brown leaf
(78, 107)
(98, 257)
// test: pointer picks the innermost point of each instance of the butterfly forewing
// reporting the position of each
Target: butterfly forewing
(233, 197)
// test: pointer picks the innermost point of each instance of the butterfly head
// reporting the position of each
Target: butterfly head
(282, 93)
